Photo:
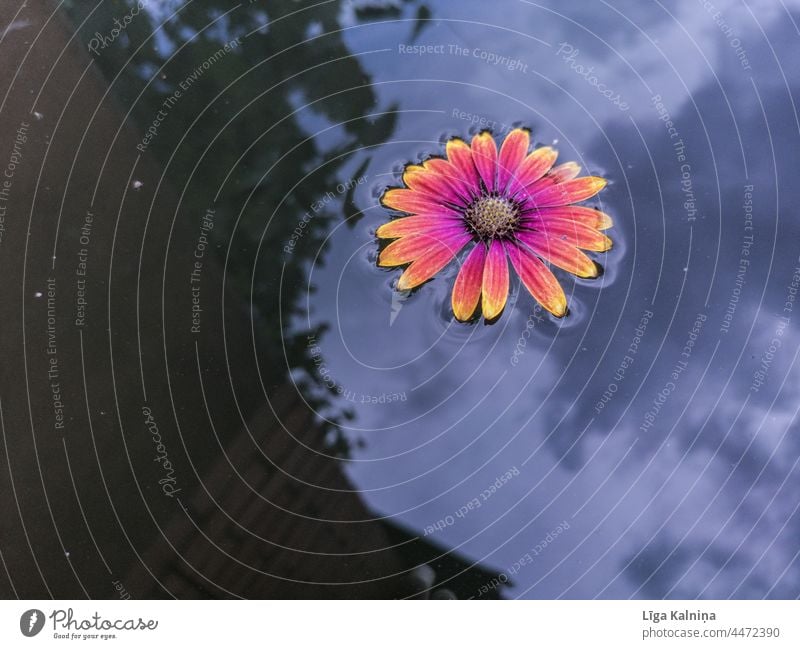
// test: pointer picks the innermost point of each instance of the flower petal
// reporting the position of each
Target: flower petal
(459, 153)
(571, 191)
(495, 281)
(559, 253)
(589, 216)
(430, 263)
(512, 153)
(484, 155)
(467, 289)
(414, 246)
(564, 172)
(411, 202)
(416, 225)
(446, 169)
(574, 233)
(532, 169)
(556, 175)
(537, 278)
(435, 184)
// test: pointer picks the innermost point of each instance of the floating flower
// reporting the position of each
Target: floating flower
(506, 205)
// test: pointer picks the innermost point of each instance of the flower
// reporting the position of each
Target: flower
(506, 205)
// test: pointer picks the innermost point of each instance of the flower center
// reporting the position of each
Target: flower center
(491, 217)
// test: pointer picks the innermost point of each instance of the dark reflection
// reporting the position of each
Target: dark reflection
(241, 129)
(268, 511)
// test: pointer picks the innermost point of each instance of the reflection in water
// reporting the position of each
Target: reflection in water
(649, 436)
(291, 526)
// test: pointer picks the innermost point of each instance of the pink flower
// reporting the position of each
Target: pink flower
(506, 205)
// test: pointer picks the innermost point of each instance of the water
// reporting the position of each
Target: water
(643, 447)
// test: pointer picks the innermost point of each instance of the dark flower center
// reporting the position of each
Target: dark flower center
(491, 217)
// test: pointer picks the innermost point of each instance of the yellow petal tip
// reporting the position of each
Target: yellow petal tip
(405, 285)
(594, 273)
(492, 311)
(546, 150)
(410, 171)
(455, 142)
(461, 317)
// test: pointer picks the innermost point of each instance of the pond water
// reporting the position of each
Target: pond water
(654, 428)
(644, 446)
